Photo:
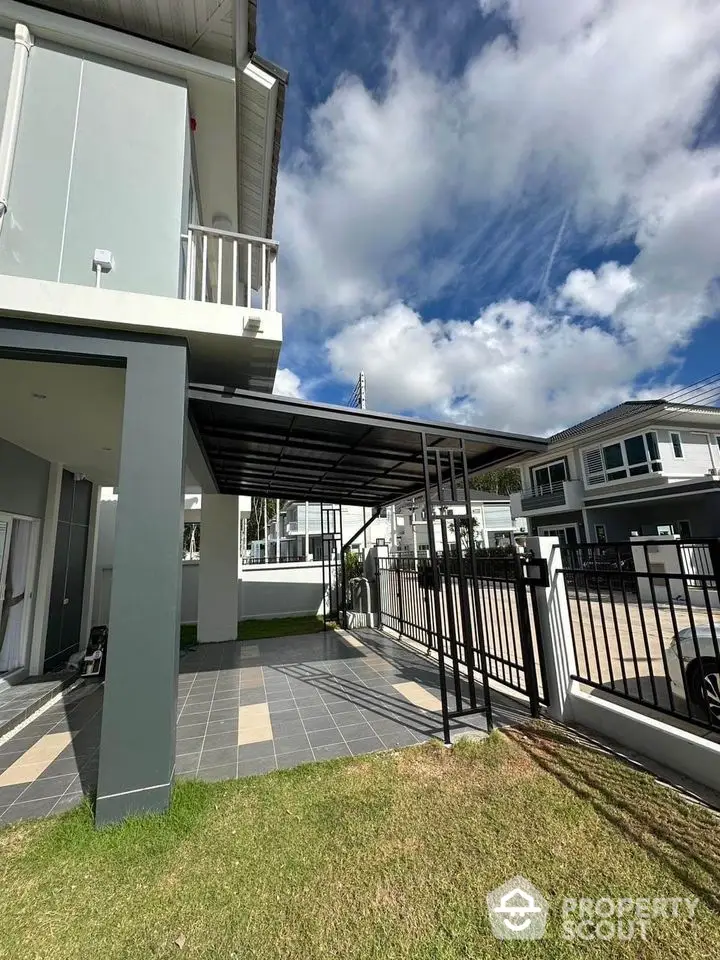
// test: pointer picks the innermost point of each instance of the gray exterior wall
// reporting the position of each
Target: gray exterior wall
(23, 481)
(101, 162)
(702, 511)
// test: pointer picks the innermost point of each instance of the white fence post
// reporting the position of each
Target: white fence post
(555, 629)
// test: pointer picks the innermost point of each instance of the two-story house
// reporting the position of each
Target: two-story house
(139, 151)
(644, 467)
(139, 341)
(493, 525)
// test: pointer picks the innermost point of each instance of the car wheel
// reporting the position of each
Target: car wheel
(704, 687)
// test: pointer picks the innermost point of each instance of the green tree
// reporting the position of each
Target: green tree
(504, 481)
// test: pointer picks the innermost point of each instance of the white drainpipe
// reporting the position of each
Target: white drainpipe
(8, 138)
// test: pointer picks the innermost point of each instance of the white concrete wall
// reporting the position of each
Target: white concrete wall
(266, 591)
(697, 456)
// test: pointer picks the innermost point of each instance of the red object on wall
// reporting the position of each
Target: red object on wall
(193, 124)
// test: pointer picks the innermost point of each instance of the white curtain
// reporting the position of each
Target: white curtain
(12, 641)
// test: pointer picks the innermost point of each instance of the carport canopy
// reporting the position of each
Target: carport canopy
(270, 446)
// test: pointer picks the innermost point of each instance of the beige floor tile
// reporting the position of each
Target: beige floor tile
(417, 695)
(254, 724)
(37, 759)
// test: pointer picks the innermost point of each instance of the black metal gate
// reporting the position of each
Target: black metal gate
(475, 607)
(331, 553)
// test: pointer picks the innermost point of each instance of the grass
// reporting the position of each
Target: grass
(389, 856)
(260, 629)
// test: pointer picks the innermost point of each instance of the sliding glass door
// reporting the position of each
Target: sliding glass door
(17, 572)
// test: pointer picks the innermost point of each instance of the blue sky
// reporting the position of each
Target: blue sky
(506, 211)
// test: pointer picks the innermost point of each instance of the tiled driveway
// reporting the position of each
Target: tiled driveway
(243, 709)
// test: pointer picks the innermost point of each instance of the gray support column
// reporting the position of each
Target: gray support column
(555, 629)
(137, 745)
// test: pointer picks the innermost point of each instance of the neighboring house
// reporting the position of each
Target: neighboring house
(301, 531)
(493, 524)
(647, 467)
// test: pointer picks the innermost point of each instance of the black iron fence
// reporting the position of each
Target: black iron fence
(645, 622)
(504, 618)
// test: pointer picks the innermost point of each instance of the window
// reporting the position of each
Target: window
(614, 464)
(600, 533)
(684, 529)
(717, 440)
(549, 477)
(630, 457)
(676, 445)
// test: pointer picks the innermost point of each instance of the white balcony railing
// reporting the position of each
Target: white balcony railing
(230, 268)
(564, 493)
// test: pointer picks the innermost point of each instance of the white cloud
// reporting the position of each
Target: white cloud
(512, 368)
(287, 383)
(590, 110)
(596, 294)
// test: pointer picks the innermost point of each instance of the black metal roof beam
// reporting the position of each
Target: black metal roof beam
(259, 456)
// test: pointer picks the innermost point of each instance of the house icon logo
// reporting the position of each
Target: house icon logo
(518, 911)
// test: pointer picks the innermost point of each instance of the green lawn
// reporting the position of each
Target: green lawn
(389, 856)
(259, 629)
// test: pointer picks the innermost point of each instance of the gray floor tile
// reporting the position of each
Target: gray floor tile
(222, 726)
(283, 713)
(68, 802)
(183, 747)
(350, 715)
(366, 745)
(324, 722)
(218, 756)
(291, 744)
(404, 738)
(11, 793)
(332, 751)
(224, 713)
(48, 787)
(256, 751)
(29, 810)
(313, 710)
(249, 768)
(321, 738)
(342, 706)
(215, 740)
(227, 771)
(355, 731)
(188, 731)
(287, 760)
(187, 764)
(60, 767)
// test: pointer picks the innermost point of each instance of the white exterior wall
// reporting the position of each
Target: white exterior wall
(697, 457)
(265, 591)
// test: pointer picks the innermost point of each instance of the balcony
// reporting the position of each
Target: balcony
(231, 269)
(567, 495)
